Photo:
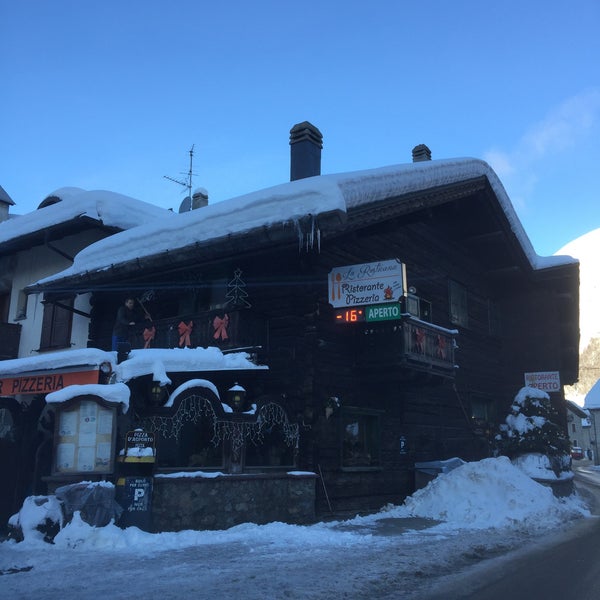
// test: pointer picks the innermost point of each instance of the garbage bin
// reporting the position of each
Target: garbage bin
(429, 470)
(95, 502)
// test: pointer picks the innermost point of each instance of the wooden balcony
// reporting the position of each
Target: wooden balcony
(10, 337)
(409, 344)
(239, 328)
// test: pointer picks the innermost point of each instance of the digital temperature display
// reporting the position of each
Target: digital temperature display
(350, 315)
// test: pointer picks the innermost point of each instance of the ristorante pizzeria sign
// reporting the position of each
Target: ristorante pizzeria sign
(44, 383)
(367, 283)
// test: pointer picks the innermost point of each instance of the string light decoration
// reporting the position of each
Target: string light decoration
(271, 414)
(194, 407)
(191, 409)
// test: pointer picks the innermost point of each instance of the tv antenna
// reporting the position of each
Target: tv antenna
(187, 183)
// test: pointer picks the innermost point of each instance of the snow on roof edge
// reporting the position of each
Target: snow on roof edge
(311, 196)
(111, 209)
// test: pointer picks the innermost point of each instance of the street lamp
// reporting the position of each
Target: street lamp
(237, 397)
(595, 441)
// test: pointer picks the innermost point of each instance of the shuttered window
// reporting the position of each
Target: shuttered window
(56, 326)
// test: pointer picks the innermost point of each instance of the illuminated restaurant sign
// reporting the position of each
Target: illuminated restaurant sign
(44, 383)
(366, 284)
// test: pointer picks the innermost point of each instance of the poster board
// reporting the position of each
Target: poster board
(84, 437)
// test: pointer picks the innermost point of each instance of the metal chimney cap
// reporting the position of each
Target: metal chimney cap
(306, 131)
(421, 153)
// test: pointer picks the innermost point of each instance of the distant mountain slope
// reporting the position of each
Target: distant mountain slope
(587, 250)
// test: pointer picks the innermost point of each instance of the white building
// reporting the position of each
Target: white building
(44, 242)
(33, 246)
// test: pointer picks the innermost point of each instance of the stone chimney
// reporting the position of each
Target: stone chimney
(199, 198)
(5, 204)
(421, 153)
(306, 142)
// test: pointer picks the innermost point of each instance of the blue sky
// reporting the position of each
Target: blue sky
(112, 94)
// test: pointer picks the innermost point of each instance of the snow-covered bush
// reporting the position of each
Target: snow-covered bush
(40, 518)
(43, 517)
(531, 428)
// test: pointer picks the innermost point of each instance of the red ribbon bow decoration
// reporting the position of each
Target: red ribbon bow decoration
(220, 327)
(149, 333)
(441, 346)
(185, 329)
(420, 340)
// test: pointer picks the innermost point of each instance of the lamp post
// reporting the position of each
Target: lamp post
(595, 441)
(237, 397)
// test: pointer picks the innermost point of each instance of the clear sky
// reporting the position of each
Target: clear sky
(112, 94)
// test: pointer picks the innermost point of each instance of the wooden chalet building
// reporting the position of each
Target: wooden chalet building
(397, 310)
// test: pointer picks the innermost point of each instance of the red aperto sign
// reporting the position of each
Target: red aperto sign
(44, 383)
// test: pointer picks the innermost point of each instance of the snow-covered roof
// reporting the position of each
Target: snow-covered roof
(117, 393)
(4, 197)
(286, 204)
(88, 357)
(592, 398)
(153, 361)
(107, 208)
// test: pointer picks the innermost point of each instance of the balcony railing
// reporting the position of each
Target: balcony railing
(409, 343)
(239, 328)
(10, 337)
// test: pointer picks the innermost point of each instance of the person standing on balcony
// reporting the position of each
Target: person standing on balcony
(124, 321)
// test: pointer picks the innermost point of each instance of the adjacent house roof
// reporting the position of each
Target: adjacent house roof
(306, 209)
(576, 409)
(67, 210)
(4, 197)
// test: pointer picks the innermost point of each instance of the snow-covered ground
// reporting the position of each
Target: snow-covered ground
(479, 510)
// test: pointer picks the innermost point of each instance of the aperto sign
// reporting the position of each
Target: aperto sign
(367, 284)
(383, 312)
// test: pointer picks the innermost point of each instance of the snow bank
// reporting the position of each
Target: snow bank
(489, 493)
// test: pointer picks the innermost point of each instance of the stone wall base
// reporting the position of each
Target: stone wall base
(181, 503)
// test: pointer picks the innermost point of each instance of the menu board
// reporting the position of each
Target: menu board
(85, 438)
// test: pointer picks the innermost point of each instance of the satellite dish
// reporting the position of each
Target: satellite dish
(186, 205)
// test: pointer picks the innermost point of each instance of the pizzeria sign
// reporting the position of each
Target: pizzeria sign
(44, 383)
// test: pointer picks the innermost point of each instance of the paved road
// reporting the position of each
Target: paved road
(563, 568)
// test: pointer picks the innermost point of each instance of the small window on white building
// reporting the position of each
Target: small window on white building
(4, 304)
(21, 306)
(56, 325)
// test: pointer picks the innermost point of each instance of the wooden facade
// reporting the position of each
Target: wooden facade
(369, 399)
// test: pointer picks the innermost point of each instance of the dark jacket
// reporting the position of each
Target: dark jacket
(124, 317)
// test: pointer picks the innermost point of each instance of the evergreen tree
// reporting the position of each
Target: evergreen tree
(531, 427)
